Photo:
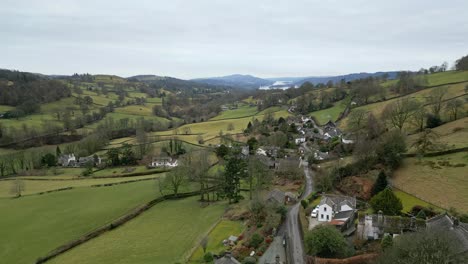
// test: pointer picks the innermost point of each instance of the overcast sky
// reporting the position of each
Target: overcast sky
(201, 38)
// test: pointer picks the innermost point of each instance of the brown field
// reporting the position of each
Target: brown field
(441, 180)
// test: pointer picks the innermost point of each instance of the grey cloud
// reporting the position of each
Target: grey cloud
(207, 38)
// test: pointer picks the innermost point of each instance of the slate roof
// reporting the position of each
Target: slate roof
(226, 260)
(344, 214)
(335, 201)
(458, 232)
(276, 196)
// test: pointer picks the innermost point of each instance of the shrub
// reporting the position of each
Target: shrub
(326, 241)
(249, 260)
(433, 121)
(304, 203)
(387, 242)
(208, 257)
(256, 240)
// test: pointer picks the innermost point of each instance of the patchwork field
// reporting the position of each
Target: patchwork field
(222, 231)
(211, 129)
(441, 180)
(164, 234)
(38, 224)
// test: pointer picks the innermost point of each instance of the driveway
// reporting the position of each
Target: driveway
(313, 222)
(276, 249)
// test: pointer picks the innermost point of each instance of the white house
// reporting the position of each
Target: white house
(261, 151)
(300, 140)
(67, 160)
(337, 209)
(164, 162)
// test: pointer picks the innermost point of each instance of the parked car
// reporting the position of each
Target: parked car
(314, 212)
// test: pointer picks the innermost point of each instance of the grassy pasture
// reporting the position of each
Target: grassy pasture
(331, 113)
(433, 181)
(36, 186)
(4, 108)
(242, 111)
(38, 224)
(210, 129)
(140, 110)
(421, 96)
(452, 134)
(447, 77)
(409, 201)
(222, 231)
(164, 234)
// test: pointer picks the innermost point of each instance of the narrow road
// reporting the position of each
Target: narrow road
(292, 228)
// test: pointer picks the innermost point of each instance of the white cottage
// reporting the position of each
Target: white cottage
(337, 209)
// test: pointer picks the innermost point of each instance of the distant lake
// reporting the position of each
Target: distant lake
(283, 85)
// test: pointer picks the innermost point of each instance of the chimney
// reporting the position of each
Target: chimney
(456, 222)
(277, 259)
(227, 254)
(380, 219)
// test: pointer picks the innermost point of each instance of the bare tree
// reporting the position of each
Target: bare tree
(453, 106)
(399, 112)
(418, 118)
(175, 179)
(357, 119)
(17, 187)
(426, 141)
(436, 98)
(204, 244)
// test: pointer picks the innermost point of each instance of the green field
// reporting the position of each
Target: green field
(447, 77)
(242, 111)
(331, 113)
(444, 185)
(35, 186)
(38, 224)
(164, 234)
(409, 201)
(222, 231)
(4, 108)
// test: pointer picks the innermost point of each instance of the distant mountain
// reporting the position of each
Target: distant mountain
(236, 80)
(347, 77)
(173, 83)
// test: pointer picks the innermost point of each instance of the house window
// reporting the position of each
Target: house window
(324, 209)
(321, 216)
(328, 217)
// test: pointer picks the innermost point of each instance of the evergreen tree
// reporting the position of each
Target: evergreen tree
(236, 169)
(421, 214)
(58, 152)
(380, 184)
(387, 202)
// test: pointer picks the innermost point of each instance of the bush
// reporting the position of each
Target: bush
(433, 121)
(327, 242)
(249, 260)
(208, 257)
(256, 240)
(387, 242)
(304, 203)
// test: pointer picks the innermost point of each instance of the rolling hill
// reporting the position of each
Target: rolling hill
(236, 80)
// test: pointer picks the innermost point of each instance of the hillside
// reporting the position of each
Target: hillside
(174, 83)
(346, 77)
(236, 80)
